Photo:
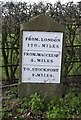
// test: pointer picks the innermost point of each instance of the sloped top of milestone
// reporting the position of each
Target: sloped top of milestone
(42, 23)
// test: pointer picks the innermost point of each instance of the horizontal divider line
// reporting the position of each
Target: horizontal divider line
(41, 50)
(40, 65)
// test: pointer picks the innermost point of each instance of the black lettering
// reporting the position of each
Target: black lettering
(43, 45)
(41, 39)
(32, 60)
(28, 69)
(35, 69)
(38, 75)
(35, 45)
(50, 75)
(50, 39)
(32, 39)
(56, 55)
(31, 45)
(47, 60)
(44, 69)
(36, 39)
(53, 46)
(28, 45)
(34, 54)
(24, 68)
(26, 38)
(33, 74)
(57, 46)
(32, 69)
(24, 53)
(38, 60)
(41, 75)
(38, 54)
(51, 61)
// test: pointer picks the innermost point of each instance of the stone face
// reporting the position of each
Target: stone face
(44, 89)
(40, 23)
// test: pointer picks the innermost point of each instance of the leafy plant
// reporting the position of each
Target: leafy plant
(36, 103)
(67, 107)
(37, 106)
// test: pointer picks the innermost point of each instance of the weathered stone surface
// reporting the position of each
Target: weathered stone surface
(41, 23)
(44, 89)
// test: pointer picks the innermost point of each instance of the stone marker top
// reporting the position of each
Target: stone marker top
(42, 23)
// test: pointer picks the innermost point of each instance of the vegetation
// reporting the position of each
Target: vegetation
(14, 14)
(38, 107)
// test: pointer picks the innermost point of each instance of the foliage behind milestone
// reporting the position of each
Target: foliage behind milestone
(14, 14)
